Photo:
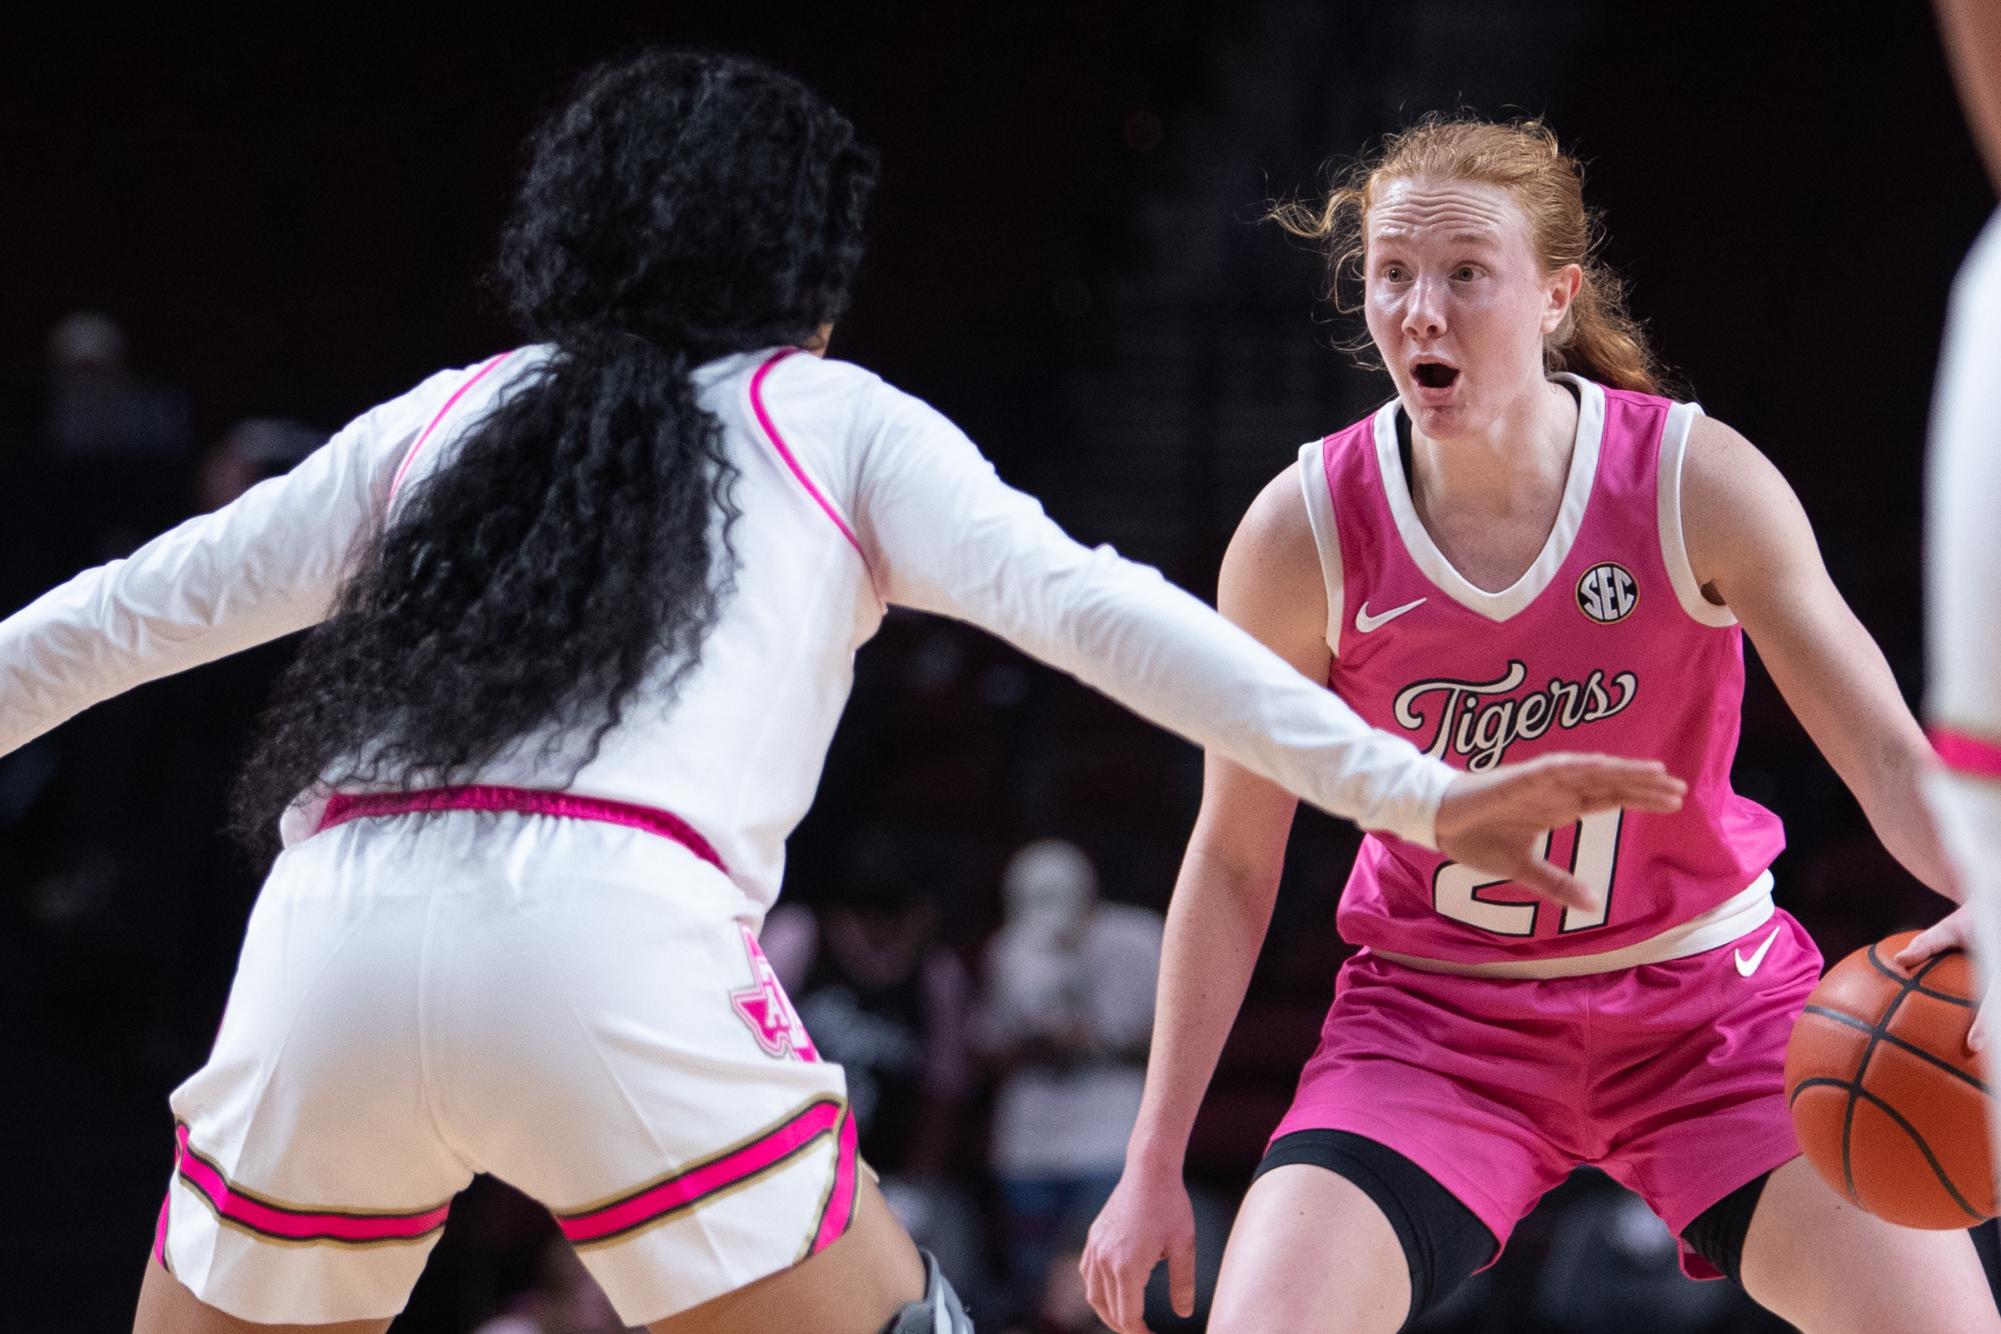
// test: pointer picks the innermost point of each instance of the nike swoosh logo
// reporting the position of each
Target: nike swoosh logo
(1365, 622)
(1746, 967)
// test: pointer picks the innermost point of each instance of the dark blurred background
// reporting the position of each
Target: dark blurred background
(219, 240)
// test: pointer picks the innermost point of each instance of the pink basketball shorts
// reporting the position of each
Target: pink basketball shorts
(1668, 1077)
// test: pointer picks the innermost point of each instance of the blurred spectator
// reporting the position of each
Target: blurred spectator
(1065, 1016)
(252, 451)
(881, 996)
(97, 407)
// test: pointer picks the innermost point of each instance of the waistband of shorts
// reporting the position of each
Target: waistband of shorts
(1745, 911)
(345, 806)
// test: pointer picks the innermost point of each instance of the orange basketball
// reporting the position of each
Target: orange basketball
(1890, 1106)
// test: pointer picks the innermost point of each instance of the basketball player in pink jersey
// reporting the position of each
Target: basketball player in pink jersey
(586, 618)
(1527, 547)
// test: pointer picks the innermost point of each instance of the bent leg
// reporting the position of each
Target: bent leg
(857, 1285)
(167, 1307)
(1816, 1260)
(1310, 1251)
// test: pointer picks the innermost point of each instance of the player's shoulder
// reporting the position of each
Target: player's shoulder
(1718, 457)
(1276, 522)
(843, 390)
(464, 387)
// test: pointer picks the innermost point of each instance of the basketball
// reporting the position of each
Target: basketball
(1890, 1106)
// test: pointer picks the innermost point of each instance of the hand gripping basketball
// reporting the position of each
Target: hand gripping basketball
(1889, 1102)
(1495, 820)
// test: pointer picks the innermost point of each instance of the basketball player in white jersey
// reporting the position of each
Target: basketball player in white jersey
(587, 614)
(1962, 555)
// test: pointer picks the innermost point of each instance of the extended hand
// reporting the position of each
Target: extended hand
(1147, 1219)
(1954, 931)
(1495, 821)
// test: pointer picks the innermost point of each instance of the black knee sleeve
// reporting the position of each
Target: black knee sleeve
(1717, 1234)
(937, 1312)
(1443, 1241)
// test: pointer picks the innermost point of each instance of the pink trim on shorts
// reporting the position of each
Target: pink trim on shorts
(457, 394)
(840, 1210)
(345, 806)
(160, 1228)
(1967, 753)
(778, 442)
(694, 1186)
(284, 1222)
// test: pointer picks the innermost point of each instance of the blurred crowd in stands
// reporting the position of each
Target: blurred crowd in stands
(972, 927)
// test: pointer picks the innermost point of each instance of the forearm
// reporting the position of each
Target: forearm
(1972, 32)
(1895, 798)
(177, 603)
(1215, 928)
(1122, 629)
(946, 535)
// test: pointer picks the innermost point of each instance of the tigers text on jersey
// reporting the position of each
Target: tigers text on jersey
(852, 496)
(1604, 644)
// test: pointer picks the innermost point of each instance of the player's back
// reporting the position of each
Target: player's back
(736, 747)
(1604, 644)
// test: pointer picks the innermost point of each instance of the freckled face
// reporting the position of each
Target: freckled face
(1456, 300)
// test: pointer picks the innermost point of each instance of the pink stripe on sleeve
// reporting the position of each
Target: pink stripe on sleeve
(784, 452)
(1967, 753)
(457, 394)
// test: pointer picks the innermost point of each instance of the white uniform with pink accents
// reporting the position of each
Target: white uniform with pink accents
(853, 495)
(564, 988)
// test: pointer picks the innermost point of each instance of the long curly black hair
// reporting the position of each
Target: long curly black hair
(679, 207)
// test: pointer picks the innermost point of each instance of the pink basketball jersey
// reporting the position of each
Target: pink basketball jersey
(1604, 644)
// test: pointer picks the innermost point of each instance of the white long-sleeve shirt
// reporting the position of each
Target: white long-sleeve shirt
(1963, 584)
(853, 496)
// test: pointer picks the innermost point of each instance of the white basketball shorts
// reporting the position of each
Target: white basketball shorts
(578, 1008)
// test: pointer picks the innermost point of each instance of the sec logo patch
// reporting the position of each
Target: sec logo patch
(1607, 592)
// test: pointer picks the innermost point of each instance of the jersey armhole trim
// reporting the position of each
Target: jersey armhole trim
(771, 433)
(1326, 535)
(1667, 506)
(450, 403)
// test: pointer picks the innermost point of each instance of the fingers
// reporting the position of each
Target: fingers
(1976, 1036)
(1181, 1275)
(1541, 877)
(1935, 939)
(1115, 1293)
(1599, 782)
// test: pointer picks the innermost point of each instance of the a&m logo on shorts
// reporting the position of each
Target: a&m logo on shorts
(768, 1011)
(1607, 592)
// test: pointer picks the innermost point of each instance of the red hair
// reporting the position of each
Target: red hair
(1597, 338)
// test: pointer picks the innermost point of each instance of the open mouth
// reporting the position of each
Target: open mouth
(1435, 374)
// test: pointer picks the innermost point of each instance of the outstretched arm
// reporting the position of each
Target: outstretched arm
(1753, 551)
(263, 566)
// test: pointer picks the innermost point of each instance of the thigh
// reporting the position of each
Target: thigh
(1691, 1094)
(1310, 1251)
(1476, 1081)
(854, 1286)
(167, 1307)
(1816, 1260)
